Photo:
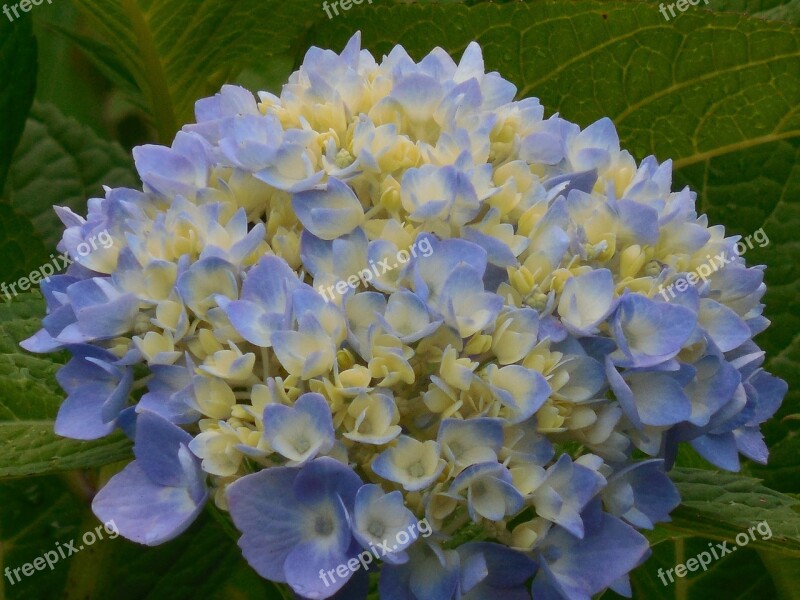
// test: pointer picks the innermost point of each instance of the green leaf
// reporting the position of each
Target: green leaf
(779, 10)
(783, 471)
(21, 251)
(785, 572)
(722, 505)
(29, 401)
(104, 59)
(31, 448)
(739, 575)
(60, 162)
(589, 59)
(763, 559)
(180, 50)
(17, 87)
(65, 77)
(202, 563)
(36, 514)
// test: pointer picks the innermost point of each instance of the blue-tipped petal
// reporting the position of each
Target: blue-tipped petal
(586, 301)
(649, 332)
(302, 431)
(723, 325)
(379, 517)
(144, 511)
(720, 450)
(642, 494)
(506, 571)
(329, 213)
(576, 569)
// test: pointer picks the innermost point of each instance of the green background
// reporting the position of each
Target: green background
(716, 89)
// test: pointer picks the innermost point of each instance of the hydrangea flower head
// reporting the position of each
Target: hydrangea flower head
(395, 313)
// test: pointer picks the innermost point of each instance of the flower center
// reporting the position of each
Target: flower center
(417, 469)
(302, 445)
(377, 529)
(323, 525)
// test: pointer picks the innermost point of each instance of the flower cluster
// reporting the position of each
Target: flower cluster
(520, 384)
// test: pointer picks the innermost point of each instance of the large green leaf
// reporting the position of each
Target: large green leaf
(179, 50)
(722, 505)
(60, 162)
(29, 401)
(739, 575)
(783, 470)
(36, 513)
(781, 10)
(589, 59)
(21, 251)
(66, 78)
(760, 527)
(17, 85)
(203, 563)
(785, 573)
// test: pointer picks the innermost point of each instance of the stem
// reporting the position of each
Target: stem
(141, 383)
(155, 80)
(87, 568)
(2, 581)
(375, 210)
(680, 558)
(265, 364)
(223, 521)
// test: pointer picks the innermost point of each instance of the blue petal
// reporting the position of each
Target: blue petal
(750, 443)
(264, 508)
(329, 213)
(204, 281)
(430, 574)
(325, 476)
(713, 386)
(579, 568)
(310, 417)
(648, 332)
(497, 251)
(464, 304)
(97, 392)
(720, 450)
(639, 223)
(144, 511)
(373, 504)
(723, 325)
(770, 392)
(166, 394)
(508, 571)
(304, 563)
(157, 450)
(654, 495)
(586, 301)
(444, 258)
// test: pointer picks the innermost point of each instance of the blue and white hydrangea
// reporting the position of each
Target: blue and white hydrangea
(501, 377)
